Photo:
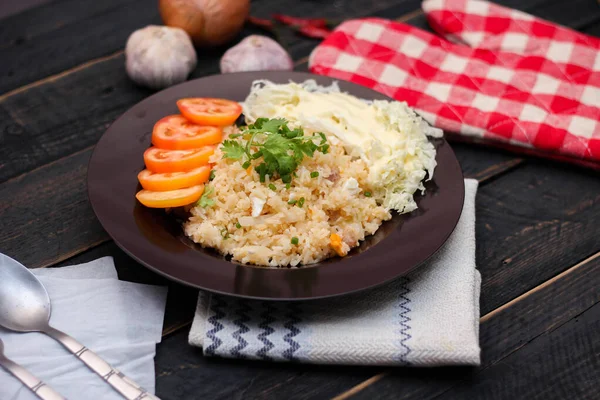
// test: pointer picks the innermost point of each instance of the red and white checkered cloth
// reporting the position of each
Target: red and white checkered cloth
(498, 75)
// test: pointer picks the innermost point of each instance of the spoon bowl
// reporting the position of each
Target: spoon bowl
(25, 307)
(24, 302)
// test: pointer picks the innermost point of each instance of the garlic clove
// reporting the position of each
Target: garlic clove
(256, 53)
(159, 56)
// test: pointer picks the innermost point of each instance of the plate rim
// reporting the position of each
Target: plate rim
(302, 76)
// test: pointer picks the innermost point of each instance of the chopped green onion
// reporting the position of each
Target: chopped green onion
(301, 202)
(314, 174)
(272, 187)
(246, 165)
(212, 175)
(294, 240)
(237, 225)
(367, 194)
(292, 202)
(288, 185)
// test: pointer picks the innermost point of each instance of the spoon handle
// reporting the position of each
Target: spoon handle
(127, 387)
(38, 387)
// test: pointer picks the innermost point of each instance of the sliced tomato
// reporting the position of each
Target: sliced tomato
(173, 180)
(208, 111)
(171, 198)
(175, 132)
(161, 160)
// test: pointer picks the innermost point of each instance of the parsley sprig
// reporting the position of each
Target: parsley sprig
(205, 201)
(282, 149)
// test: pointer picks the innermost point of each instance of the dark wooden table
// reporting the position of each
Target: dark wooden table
(538, 222)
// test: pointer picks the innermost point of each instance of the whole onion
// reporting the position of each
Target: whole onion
(208, 22)
(256, 53)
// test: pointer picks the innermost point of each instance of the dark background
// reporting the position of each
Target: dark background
(62, 82)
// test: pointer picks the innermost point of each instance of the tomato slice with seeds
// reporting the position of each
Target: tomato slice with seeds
(175, 132)
(171, 198)
(158, 182)
(161, 160)
(209, 111)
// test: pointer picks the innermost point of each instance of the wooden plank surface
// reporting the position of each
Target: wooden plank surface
(65, 42)
(75, 42)
(10, 8)
(180, 364)
(183, 373)
(530, 345)
(69, 112)
(536, 219)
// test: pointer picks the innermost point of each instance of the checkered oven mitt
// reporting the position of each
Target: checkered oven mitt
(499, 75)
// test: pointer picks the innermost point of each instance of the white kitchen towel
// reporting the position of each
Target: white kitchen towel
(428, 318)
(120, 321)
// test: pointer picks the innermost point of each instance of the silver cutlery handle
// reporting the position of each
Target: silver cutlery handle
(127, 387)
(38, 387)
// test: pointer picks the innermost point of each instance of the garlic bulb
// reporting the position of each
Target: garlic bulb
(256, 53)
(159, 56)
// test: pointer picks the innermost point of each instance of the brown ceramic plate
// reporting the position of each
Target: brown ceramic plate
(157, 241)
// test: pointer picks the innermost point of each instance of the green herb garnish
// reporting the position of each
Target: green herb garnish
(314, 174)
(292, 202)
(288, 185)
(367, 194)
(301, 202)
(225, 233)
(282, 149)
(238, 225)
(205, 201)
(212, 175)
(272, 187)
(294, 240)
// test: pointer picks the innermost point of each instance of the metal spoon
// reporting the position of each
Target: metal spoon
(25, 307)
(38, 387)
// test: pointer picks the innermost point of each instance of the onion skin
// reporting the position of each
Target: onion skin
(256, 53)
(208, 22)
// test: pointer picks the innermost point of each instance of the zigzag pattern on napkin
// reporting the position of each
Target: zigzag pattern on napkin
(241, 311)
(215, 307)
(294, 318)
(404, 320)
(267, 319)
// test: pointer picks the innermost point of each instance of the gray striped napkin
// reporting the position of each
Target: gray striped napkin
(428, 318)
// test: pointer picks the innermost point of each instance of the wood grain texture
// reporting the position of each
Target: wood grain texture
(63, 122)
(96, 35)
(64, 42)
(47, 122)
(11, 8)
(515, 334)
(21, 29)
(45, 216)
(53, 117)
(562, 363)
(183, 372)
(526, 189)
(534, 220)
(532, 224)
